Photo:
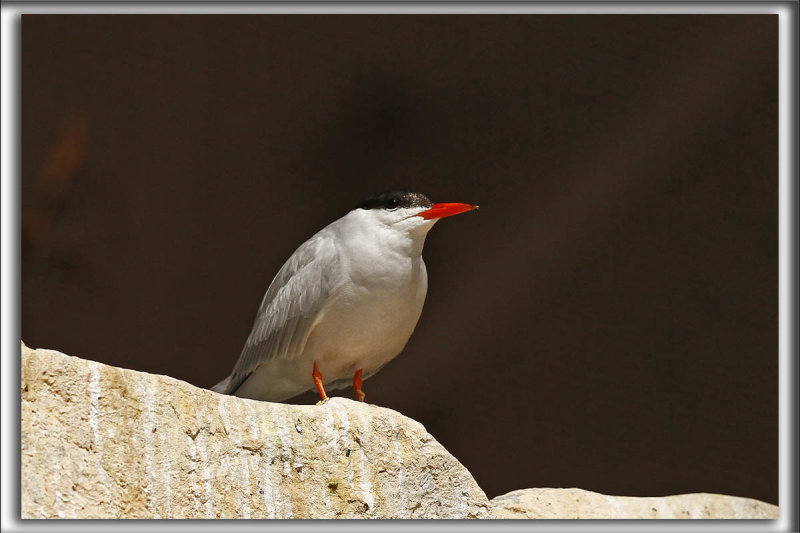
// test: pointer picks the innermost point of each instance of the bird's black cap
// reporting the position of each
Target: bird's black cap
(395, 199)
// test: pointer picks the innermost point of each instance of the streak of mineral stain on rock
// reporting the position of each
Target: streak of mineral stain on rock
(94, 401)
(244, 456)
(282, 428)
(328, 435)
(220, 492)
(58, 470)
(195, 476)
(147, 398)
(400, 474)
(271, 485)
(252, 422)
(344, 434)
(266, 481)
(203, 456)
(223, 413)
(166, 443)
(58, 498)
(94, 423)
(235, 434)
(269, 489)
(363, 472)
(245, 484)
(281, 425)
(252, 430)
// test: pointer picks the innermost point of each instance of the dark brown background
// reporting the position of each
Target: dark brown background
(607, 320)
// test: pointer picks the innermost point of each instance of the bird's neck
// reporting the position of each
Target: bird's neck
(415, 242)
(370, 239)
(387, 242)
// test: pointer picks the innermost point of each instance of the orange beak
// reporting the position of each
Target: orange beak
(446, 210)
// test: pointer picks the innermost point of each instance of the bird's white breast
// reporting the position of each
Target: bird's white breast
(368, 323)
(376, 305)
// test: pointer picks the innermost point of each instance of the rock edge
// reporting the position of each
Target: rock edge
(584, 504)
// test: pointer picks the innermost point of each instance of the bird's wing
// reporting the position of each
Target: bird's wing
(290, 308)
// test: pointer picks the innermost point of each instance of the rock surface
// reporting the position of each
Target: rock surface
(104, 442)
(577, 503)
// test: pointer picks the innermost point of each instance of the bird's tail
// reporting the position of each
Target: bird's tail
(222, 386)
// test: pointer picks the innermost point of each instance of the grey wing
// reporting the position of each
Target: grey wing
(290, 308)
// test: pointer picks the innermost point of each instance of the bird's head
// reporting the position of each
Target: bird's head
(409, 211)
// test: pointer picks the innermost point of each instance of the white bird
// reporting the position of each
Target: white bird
(344, 304)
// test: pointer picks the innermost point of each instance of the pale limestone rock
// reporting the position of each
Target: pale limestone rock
(104, 442)
(577, 503)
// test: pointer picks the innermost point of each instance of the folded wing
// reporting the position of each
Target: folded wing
(290, 309)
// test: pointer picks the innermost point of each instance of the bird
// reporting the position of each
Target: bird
(344, 304)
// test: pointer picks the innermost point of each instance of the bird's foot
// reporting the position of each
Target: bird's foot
(323, 402)
(357, 384)
(317, 377)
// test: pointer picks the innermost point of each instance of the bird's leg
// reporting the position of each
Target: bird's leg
(357, 382)
(318, 382)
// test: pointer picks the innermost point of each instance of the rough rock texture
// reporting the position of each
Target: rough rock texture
(104, 442)
(577, 503)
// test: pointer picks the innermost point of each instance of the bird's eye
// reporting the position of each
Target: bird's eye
(391, 203)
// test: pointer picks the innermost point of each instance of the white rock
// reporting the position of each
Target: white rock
(577, 503)
(104, 442)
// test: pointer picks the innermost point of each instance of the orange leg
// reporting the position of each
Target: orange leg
(357, 385)
(318, 382)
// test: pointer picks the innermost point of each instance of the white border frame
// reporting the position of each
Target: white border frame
(10, 226)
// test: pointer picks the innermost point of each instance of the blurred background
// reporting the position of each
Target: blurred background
(607, 320)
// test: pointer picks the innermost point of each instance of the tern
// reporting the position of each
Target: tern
(344, 304)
